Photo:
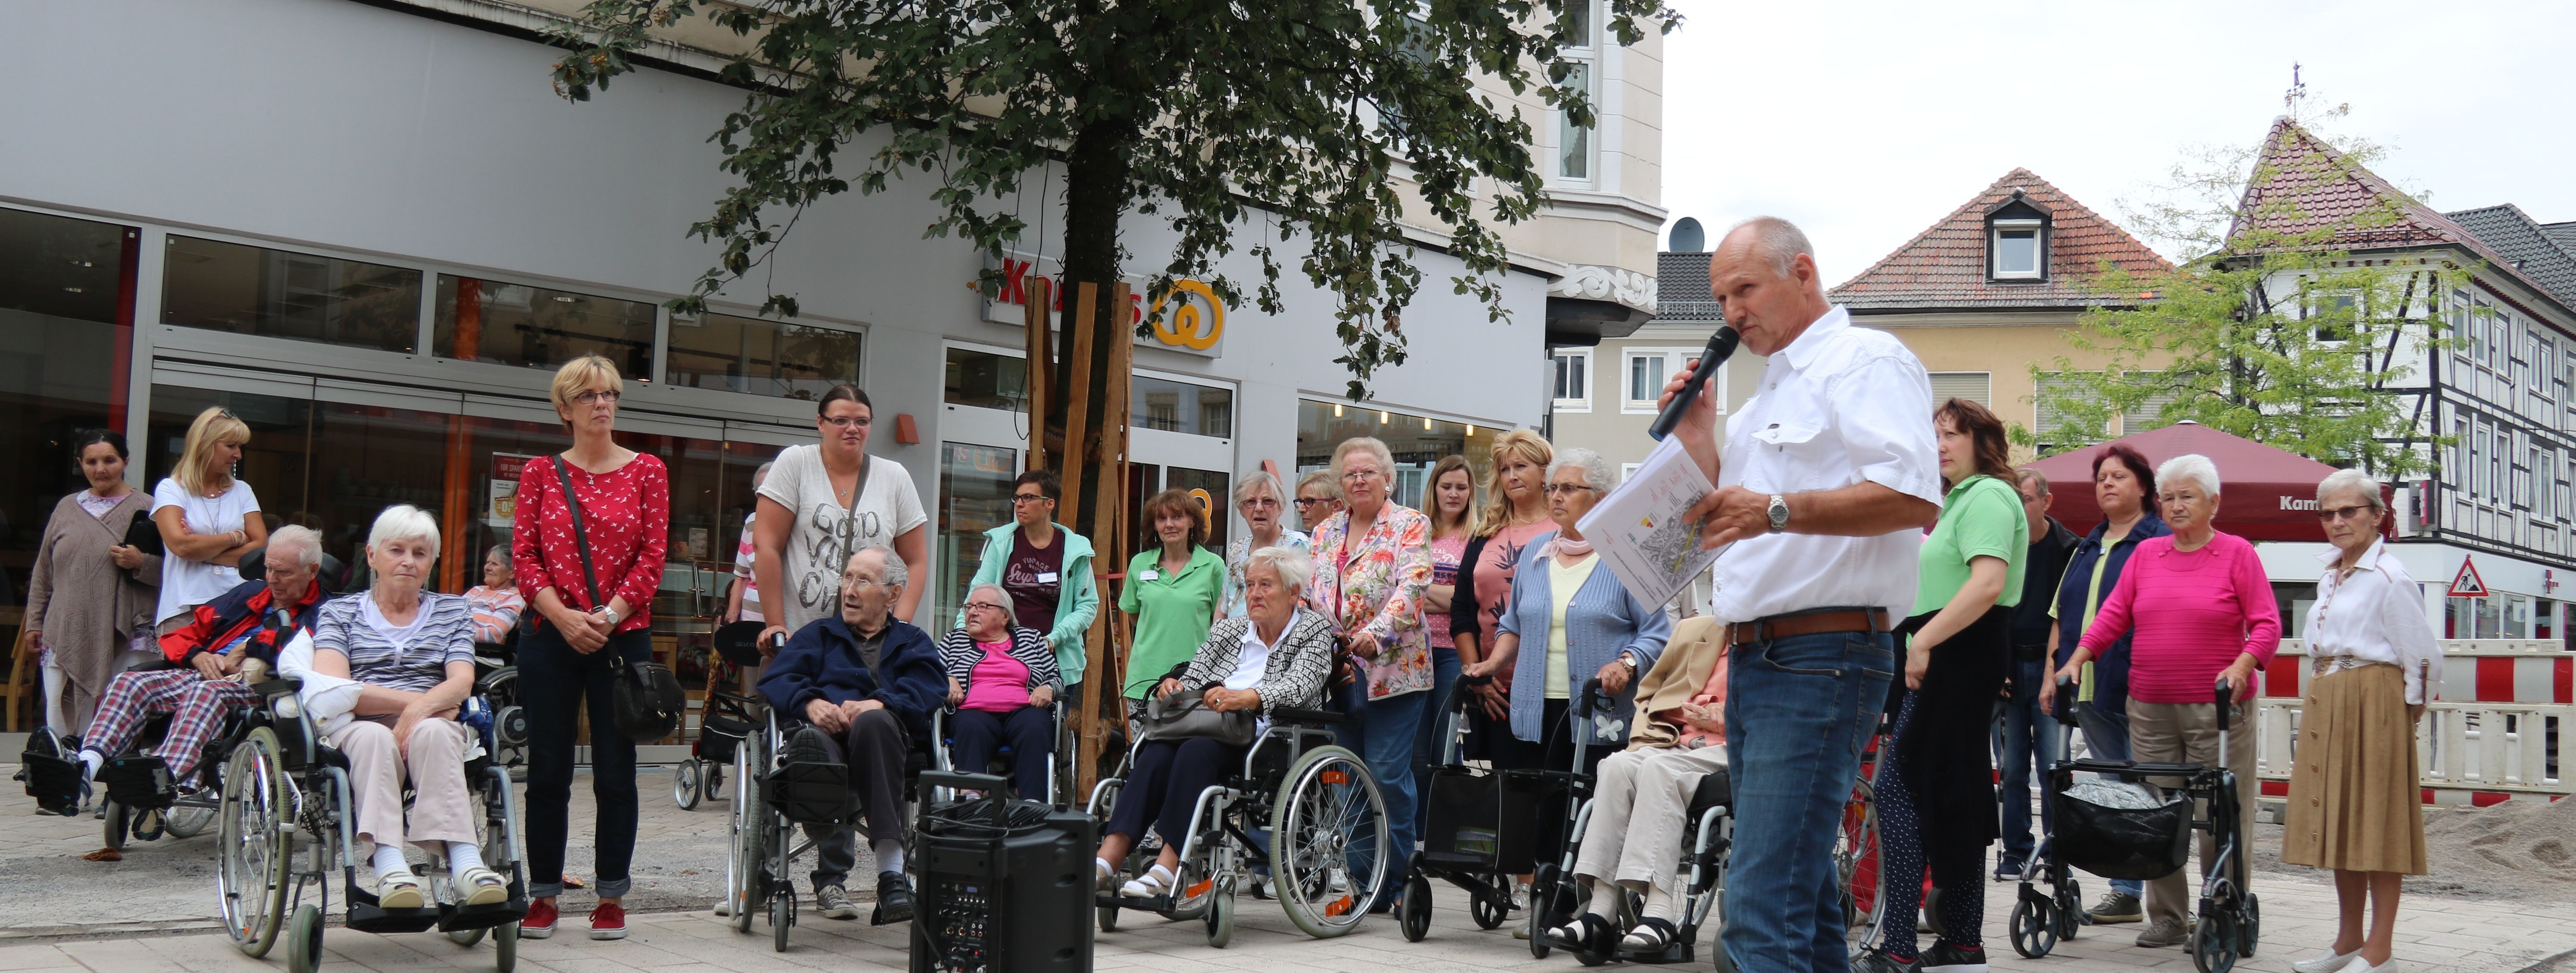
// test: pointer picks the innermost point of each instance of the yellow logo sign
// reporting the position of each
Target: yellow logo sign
(1194, 324)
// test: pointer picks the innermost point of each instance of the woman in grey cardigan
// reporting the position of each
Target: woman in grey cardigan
(1586, 625)
(89, 605)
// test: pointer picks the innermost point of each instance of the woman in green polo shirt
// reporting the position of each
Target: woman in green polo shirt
(1172, 596)
(1936, 800)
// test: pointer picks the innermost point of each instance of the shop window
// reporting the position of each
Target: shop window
(974, 497)
(759, 356)
(540, 327)
(987, 380)
(1160, 403)
(274, 462)
(244, 289)
(2544, 619)
(1144, 480)
(1416, 442)
(59, 368)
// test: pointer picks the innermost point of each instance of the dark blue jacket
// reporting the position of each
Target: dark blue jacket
(822, 662)
(2111, 670)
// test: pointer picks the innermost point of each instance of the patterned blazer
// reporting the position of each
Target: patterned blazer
(958, 654)
(1295, 675)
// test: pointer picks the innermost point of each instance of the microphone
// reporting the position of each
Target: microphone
(1721, 346)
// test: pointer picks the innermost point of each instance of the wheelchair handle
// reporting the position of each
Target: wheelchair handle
(2226, 702)
(1475, 680)
(1591, 701)
(2064, 711)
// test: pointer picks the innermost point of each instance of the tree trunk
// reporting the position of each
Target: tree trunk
(1086, 417)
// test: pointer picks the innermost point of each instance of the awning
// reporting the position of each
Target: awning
(2266, 493)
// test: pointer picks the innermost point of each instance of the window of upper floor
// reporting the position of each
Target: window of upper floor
(1576, 148)
(1645, 371)
(1572, 387)
(2017, 240)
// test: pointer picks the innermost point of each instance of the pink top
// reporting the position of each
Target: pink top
(1445, 553)
(2193, 613)
(625, 514)
(999, 683)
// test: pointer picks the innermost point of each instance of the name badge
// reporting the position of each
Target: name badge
(1150, 575)
(1046, 577)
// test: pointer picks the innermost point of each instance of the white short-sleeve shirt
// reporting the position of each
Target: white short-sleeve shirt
(826, 534)
(1839, 406)
(186, 584)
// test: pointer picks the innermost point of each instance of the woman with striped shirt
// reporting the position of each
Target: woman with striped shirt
(1001, 679)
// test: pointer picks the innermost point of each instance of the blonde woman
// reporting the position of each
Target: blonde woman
(1513, 515)
(207, 518)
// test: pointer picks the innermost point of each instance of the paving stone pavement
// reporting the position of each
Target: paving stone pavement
(152, 914)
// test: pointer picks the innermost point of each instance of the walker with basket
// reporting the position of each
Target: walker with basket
(727, 719)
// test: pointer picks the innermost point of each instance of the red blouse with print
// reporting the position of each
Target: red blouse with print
(626, 515)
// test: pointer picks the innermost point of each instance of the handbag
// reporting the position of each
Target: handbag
(1182, 716)
(143, 535)
(644, 696)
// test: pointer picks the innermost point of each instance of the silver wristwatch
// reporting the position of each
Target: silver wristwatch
(1779, 513)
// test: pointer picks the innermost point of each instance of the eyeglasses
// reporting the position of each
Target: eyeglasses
(995, 606)
(1557, 488)
(2328, 516)
(1027, 497)
(848, 422)
(596, 396)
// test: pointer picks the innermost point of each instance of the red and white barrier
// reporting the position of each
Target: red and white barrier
(2485, 737)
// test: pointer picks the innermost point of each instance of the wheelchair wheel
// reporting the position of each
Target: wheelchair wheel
(2034, 926)
(189, 818)
(1856, 863)
(1330, 830)
(1413, 915)
(255, 841)
(304, 939)
(2249, 926)
(505, 947)
(687, 779)
(2213, 942)
(1489, 915)
(118, 820)
(1220, 914)
(782, 916)
(468, 938)
(744, 860)
(1108, 918)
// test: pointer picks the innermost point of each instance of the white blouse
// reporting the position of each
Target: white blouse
(2377, 615)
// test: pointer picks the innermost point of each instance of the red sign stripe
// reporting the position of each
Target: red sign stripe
(2495, 679)
(2281, 678)
(2562, 688)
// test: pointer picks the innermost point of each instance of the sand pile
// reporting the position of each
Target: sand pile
(2527, 842)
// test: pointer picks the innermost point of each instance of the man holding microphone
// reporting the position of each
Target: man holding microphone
(1825, 481)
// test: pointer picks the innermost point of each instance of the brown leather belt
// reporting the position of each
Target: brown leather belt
(1828, 622)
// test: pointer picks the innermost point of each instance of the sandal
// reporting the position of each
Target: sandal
(481, 886)
(1580, 934)
(1156, 881)
(399, 890)
(1651, 937)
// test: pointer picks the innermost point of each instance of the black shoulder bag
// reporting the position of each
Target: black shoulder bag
(645, 695)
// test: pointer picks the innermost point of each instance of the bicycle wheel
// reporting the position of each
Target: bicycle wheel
(255, 842)
(1329, 827)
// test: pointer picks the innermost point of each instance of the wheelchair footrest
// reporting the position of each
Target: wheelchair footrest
(465, 917)
(139, 781)
(367, 916)
(53, 781)
(1680, 951)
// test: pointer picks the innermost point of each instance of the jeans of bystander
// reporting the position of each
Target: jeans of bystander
(1798, 711)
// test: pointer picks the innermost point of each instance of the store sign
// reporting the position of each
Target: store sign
(2467, 584)
(504, 489)
(1190, 320)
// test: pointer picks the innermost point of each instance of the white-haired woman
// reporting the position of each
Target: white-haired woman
(207, 519)
(1262, 501)
(2354, 803)
(1001, 679)
(2201, 610)
(1372, 565)
(1277, 656)
(1587, 625)
(411, 652)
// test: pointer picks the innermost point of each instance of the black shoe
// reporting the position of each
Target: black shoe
(809, 746)
(1875, 960)
(2008, 869)
(1946, 958)
(894, 899)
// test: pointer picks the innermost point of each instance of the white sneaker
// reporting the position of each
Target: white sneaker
(724, 907)
(2325, 962)
(2360, 965)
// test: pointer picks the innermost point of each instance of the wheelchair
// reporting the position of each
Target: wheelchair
(496, 679)
(726, 720)
(771, 799)
(286, 820)
(1058, 767)
(140, 800)
(1327, 846)
(1707, 832)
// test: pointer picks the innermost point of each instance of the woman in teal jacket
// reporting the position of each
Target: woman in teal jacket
(1047, 570)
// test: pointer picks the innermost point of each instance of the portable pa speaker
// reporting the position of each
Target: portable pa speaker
(1006, 885)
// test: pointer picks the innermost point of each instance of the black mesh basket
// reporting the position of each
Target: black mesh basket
(718, 736)
(2141, 844)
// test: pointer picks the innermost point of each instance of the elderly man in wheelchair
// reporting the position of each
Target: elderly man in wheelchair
(1659, 805)
(865, 684)
(410, 654)
(228, 644)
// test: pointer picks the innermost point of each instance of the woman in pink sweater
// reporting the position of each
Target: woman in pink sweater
(2203, 612)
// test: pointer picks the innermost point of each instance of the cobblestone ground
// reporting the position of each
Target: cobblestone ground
(152, 913)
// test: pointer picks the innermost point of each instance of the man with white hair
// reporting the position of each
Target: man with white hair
(228, 643)
(1825, 480)
(864, 682)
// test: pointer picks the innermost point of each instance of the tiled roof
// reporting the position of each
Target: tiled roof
(2511, 232)
(1681, 288)
(1945, 266)
(2564, 233)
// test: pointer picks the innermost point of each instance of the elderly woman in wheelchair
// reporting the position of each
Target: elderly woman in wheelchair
(411, 654)
(1657, 807)
(1002, 682)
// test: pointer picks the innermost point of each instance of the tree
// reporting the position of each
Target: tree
(2274, 333)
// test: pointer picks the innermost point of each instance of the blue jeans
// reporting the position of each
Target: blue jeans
(2027, 737)
(1798, 711)
(2106, 736)
(1382, 732)
(555, 683)
(1426, 749)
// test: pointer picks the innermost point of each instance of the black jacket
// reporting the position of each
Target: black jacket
(2040, 573)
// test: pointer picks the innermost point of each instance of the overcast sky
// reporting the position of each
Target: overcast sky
(1866, 122)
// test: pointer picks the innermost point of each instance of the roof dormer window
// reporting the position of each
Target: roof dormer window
(2015, 245)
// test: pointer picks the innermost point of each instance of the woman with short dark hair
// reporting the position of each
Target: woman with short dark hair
(91, 597)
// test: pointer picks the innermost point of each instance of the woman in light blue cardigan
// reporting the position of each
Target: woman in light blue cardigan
(1586, 625)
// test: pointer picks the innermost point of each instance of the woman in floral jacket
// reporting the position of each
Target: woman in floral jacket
(1372, 562)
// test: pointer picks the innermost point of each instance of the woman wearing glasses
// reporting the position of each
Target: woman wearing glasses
(1372, 562)
(1319, 497)
(1046, 569)
(593, 586)
(1001, 679)
(825, 502)
(2354, 803)
(1261, 500)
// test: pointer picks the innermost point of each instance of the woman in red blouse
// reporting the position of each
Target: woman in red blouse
(582, 608)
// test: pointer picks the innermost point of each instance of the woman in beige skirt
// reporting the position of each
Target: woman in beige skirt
(2355, 806)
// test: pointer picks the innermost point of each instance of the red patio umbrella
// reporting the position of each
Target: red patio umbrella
(2267, 494)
